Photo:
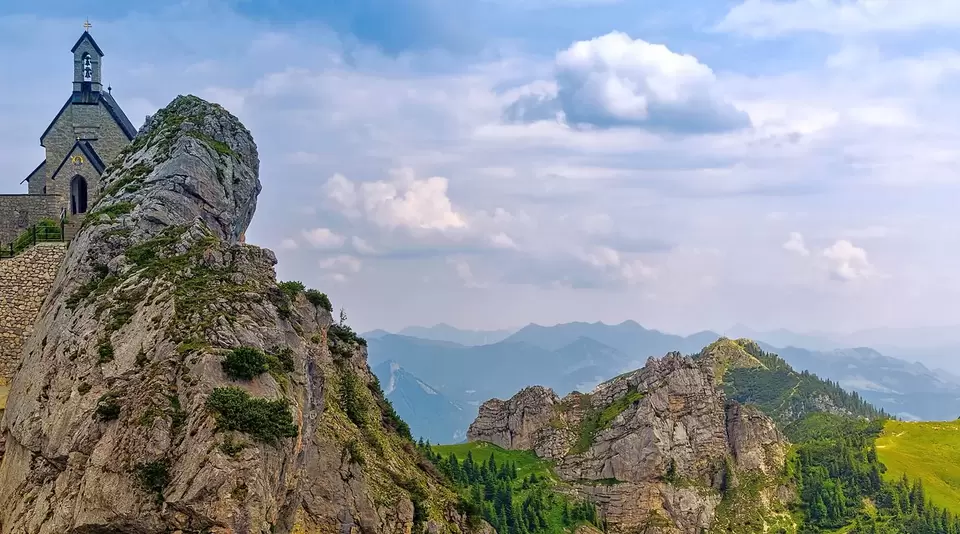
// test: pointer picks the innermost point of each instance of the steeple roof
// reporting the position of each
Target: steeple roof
(86, 35)
(112, 107)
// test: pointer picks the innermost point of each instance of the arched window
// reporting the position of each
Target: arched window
(78, 195)
(87, 66)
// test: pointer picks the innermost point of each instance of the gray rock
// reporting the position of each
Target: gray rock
(659, 463)
(153, 292)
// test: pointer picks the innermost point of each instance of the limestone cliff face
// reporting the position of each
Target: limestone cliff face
(659, 449)
(122, 417)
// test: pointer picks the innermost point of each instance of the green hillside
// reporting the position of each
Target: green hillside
(750, 375)
(929, 452)
(515, 491)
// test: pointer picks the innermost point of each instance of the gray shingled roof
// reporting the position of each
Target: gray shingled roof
(107, 99)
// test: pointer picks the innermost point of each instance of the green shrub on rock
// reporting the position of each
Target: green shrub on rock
(245, 363)
(154, 477)
(319, 299)
(265, 419)
(108, 407)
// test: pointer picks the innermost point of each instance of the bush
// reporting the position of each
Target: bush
(265, 419)
(319, 299)
(108, 407)
(292, 289)
(154, 477)
(105, 351)
(245, 363)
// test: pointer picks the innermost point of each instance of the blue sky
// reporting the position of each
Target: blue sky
(489, 163)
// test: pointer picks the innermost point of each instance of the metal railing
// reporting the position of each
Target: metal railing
(43, 232)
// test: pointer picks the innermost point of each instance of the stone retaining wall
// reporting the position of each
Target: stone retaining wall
(19, 212)
(24, 283)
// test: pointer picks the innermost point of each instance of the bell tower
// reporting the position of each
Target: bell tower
(87, 58)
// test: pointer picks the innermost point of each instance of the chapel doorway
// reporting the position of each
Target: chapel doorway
(78, 195)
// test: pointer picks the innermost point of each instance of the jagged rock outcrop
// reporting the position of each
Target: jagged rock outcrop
(657, 449)
(123, 416)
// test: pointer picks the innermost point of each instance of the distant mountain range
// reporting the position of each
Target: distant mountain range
(578, 356)
(445, 332)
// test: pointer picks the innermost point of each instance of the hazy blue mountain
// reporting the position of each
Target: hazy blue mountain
(445, 332)
(428, 412)
(782, 338)
(909, 390)
(577, 356)
(374, 334)
(628, 337)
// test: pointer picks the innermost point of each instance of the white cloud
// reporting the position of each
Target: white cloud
(614, 80)
(848, 262)
(342, 194)
(768, 18)
(342, 263)
(289, 244)
(616, 266)
(796, 244)
(323, 238)
(403, 202)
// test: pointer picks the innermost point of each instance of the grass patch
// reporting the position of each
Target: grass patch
(527, 462)
(264, 419)
(596, 420)
(929, 452)
(111, 212)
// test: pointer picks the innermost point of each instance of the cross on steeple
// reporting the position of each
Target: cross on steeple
(87, 25)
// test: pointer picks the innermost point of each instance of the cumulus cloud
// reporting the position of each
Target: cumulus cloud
(323, 238)
(289, 244)
(796, 244)
(768, 18)
(403, 202)
(847, 262)
(614, 80)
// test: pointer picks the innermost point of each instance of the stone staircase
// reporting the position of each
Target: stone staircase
(72, 226)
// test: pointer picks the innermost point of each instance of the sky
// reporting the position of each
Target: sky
(491, 163)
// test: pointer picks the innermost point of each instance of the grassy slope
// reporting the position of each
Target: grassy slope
(928, 451)
(527, 463)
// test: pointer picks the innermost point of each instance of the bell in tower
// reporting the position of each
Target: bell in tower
(87, 58)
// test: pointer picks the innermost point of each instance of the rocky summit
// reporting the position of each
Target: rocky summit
(660, 450)
(172, 385)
